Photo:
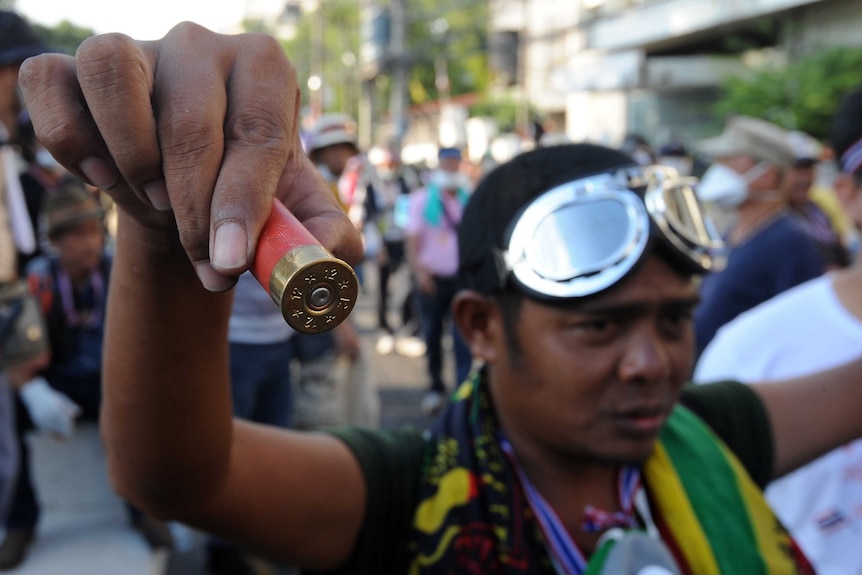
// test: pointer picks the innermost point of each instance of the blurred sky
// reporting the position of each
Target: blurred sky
(141, 19)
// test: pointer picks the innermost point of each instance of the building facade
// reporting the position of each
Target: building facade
(607, 68)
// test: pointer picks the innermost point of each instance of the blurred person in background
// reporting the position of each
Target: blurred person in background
(71, 285)
(639, 148)
(811, 327)
(768, 249)
(799, 183)
(17, 235)
(333, 386)
(676, 155)
(823, 194)
(432, 253)
(41, 175)
(388, 212)
(18, 239)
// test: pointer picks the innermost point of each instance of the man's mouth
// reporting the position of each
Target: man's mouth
(643, 419)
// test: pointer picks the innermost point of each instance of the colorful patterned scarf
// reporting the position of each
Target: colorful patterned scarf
(435, 209)
(473, 516)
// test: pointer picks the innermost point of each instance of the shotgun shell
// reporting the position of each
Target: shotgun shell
(314, 290)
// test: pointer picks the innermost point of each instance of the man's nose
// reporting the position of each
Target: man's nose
(646, 358)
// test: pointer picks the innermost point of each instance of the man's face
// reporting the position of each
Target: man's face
(798, 181)
(9, 101)
(450, 164)
(849, 191)
(80, 247)
(595, 381)
(335, 157)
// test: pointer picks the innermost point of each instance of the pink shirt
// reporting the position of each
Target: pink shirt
(437, 245)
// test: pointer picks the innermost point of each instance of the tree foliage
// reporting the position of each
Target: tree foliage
(802, 95)
(463, 46)
(65, 36)
(328, 39)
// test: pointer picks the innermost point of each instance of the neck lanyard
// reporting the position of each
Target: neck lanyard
(73, 318)
(450, 220)
(567, 557)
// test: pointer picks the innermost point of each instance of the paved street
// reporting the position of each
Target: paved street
(84, 530)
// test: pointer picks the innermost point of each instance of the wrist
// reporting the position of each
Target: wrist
(162, 239)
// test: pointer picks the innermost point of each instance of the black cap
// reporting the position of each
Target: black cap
(18, 41)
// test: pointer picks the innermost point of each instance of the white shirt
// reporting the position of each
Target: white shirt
(802, 330)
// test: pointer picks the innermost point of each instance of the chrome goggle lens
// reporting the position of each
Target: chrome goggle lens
(578, 238)
(582, 237)
(677, 212)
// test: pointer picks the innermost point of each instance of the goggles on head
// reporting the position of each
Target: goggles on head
(582, 237)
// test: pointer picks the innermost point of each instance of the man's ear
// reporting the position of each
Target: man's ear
(481, 325)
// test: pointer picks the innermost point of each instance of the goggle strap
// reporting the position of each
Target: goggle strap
(488, 275)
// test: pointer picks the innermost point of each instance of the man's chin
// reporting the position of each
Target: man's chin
(632, 452)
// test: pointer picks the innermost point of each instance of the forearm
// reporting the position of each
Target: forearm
(166, 407)
(814, 414)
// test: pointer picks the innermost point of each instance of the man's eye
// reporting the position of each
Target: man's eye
(675, 320)
(593, 326)
(680, 315)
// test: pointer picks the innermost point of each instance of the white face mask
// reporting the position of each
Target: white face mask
(446, 180)
(726, 187)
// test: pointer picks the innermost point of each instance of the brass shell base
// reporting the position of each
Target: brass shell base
(315, 290)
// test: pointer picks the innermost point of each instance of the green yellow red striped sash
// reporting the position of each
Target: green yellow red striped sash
(473, 516)
(706, 502)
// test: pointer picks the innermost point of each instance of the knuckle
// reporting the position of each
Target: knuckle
(259, 130)
(107, 55)
(266, 47)
(186, 139)
(52, 126)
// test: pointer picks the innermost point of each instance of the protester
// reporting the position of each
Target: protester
(18, 41)
(814, 326)
(581, 372)
(752, 157)
(432, 253)
(798, 185)
(388, 213)
(639, 148)
(333, 386)
(17, 236)
(71, 285)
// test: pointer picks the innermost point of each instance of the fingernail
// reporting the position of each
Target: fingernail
(102, 174)
(230, 247)
(211, 279)
(157, 193)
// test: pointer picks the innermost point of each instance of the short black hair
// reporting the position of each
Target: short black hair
(507, 189)
(846, 128)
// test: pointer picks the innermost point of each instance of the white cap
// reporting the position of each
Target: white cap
(805, 147)
(332, 129)
(752, 137)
